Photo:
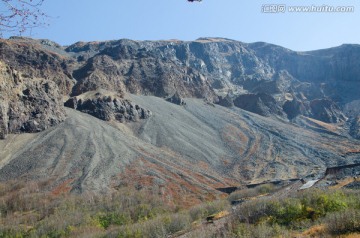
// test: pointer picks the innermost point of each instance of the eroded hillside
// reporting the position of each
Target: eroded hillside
(181, 117)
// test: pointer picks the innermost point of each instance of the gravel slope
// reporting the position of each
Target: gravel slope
(183, 152)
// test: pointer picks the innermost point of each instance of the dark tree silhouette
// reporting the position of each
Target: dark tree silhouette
(19, 16)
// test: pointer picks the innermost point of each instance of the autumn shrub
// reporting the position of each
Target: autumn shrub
(45, 215)
(346, 221)
(286, 212)
(161, 226)
(251, 192)
(177, 222)
(201, 211)
(261, 230)
(243, 193)
(265, 188)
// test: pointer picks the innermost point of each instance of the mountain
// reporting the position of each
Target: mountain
(182, 117)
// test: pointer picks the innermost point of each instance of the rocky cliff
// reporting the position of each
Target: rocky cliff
(27, 104)
(316, 84)
(108, 107)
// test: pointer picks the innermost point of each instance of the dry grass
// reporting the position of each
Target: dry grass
(314, 231)
(344, 182)
(327, 126)
(356, 235)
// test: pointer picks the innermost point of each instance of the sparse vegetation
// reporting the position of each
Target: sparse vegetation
(25, 212)
(346, 221)
(203, 210)
(251, 192)
(338, 211)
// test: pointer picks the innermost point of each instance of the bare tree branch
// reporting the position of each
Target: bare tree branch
(19, 16)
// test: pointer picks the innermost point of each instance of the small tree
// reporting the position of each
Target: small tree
(19, 16)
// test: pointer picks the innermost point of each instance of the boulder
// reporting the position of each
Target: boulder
(226, 101)
(109, 108)
(176, 99)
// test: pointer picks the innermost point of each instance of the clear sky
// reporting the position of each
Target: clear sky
(243, 20)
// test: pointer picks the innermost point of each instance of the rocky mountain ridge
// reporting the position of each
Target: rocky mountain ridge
(321, 82)
(239, 112)
(318, 84)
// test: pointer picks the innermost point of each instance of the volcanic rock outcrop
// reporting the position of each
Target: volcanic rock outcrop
(226, 101)
(39, 59)
(261, 103)
(213, 67)
(319, 83)
(27, 104)
(108, 107)
(326, 110)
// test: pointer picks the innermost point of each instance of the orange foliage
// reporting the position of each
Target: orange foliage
(65, 187)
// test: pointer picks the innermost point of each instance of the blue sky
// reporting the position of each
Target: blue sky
(91, 20)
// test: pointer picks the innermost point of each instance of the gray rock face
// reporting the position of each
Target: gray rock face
(208, 65)
(4, 120)
(27, 105)
(295, 107)
(355, 128)
(109, 108)
(262, 104)
(326, 110)
(226, 101)
(37, 59)
(139, 68)
(262, 78)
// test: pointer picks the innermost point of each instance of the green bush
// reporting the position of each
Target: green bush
(320, 203)
(12, 233)
(286, 212)
(113, 218)
(307, 206)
